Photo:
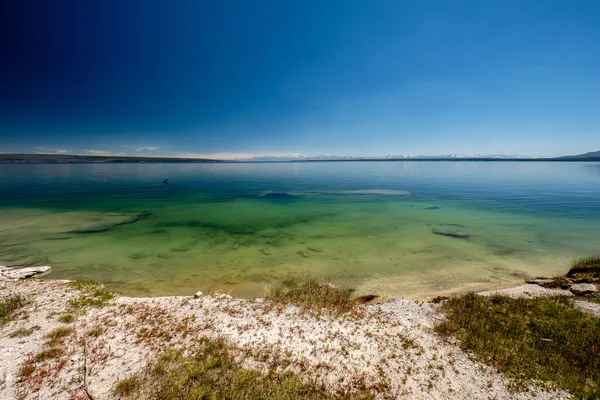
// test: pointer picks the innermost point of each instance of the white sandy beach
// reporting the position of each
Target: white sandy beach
(389, 347)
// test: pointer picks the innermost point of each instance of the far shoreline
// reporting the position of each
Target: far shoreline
(83, 159)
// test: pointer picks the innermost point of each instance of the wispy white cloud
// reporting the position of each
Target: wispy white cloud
(145, 148)
(104, 153)
(234, 156)
(47, 150)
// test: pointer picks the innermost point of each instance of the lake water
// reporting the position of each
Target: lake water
(240, 227)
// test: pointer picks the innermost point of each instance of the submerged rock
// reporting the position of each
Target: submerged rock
(107, 226)
(367, 298)
(454, 234)
(540, 281)
(7, 273)
(456, 225)
(582, 289)
(278, 196)
(303, 254)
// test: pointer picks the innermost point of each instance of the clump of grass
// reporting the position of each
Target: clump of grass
(212, 372)
(95, 332)
(49, 353)
(8, 305)
(313, 295)
(541, 339)
(22, 332)
(92, 294)
(586, 268)
(67, 318)
(128, 386)
(53, 348)
(57, 335)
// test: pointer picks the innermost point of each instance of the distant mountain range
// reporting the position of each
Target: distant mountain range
(386, 157)
(62, 158)
(591, 156)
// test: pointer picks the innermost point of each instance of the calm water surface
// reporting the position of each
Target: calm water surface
(241, 227)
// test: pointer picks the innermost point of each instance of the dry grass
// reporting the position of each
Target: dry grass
(212, 372)
(540, 339)
(8, 306)
(95, 332)
(313, 295)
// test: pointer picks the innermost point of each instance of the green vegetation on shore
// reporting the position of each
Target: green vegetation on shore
(8, 305)
(92, 294)
(586, 268)
(541, 339)
(212, 372)
(313, 295)
(583, 270)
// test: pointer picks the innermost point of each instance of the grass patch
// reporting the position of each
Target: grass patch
(49, 353)
(92, 294)
(67, 318)
(128, 386)
(8, 306)
(57, 335)
(541, 339)
(23, 332)
(313, 295)
(212, 372)
(53, 348)
(590, 299)
(95, 332)
(585, 268)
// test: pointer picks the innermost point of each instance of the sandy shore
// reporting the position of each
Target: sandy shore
(388, 347)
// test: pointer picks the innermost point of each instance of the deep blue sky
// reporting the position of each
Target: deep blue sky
(312, 77)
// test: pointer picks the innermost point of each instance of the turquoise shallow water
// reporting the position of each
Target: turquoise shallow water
(241, 227)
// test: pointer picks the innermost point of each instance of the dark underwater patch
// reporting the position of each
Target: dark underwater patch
(107, 227)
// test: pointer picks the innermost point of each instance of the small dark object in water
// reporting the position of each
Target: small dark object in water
(138, 256)
(367, 299)
(454, 234)
(315, 249)
(266, 253)
(166, 181)
(439, 299)
(303, 254)
(432, 208)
